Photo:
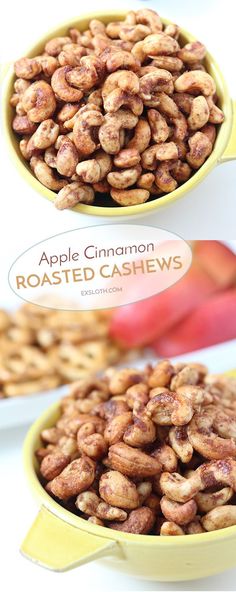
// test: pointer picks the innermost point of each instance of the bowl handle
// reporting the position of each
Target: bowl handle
(56, 545)
(230, 150)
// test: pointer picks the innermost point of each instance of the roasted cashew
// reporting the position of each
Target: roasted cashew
(205, 441)
(216, 115)
(139, 521)
(89, 503)
(159, 126)
(179, 489)
(117, 490)
(179, 441)
(172, 64)
(171, 529)
(196, 82)
(95, 169)
(199, 113)
(53, 464)
(166, 457)
(23, 125)
(73, 194)
(45, 174)
(75, 478)
(179, 513)
(83, 131)
(141, 432)
(109, 132)
(132, 462)
(217, 518)
(150, 18)
(124, 178)
(200, 148)
(45, 135)
(126, 158)
(208, 501)
(89, 73)
(67, 157)
(130, 197)
(159, 80)
(55, 45)
(192, 52)
(62, 88)
(117, 426)
(39, 101)
(27, 68)
(142, 136)
(146, 181)
(169, 408)
(154, 45)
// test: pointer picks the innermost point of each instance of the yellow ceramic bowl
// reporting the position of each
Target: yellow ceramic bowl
(60, 540)
(224, 149)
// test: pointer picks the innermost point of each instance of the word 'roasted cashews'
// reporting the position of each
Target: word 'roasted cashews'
(39, 101)
(196, 82)
(124, 178)
(109, 132)
(219, 518)
(45, 174)
(132, 462)
(205, 441)
(130, 197)
(209, 501)
(117, 490)
(75, 478)
(199, 113)
(83, 131)
(89, 503)
(62, 88)
(169, 408)
(74, 193)
(139, 521)
(95, 169)
(177, 512)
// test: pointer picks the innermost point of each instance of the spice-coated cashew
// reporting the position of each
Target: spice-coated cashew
(74, 193)
(45, 174)
(39, 101)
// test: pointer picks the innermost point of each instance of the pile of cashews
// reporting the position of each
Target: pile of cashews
(119, 109)
(152, 451)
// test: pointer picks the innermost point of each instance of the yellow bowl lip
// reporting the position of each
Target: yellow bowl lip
(55, 508)
(145, 208)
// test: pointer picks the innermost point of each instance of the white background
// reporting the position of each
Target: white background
(26, 218)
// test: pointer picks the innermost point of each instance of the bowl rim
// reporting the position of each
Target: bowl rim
(29, 447)
(109, 211)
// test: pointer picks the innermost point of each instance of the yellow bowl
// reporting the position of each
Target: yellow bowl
(224, 148)
(60, 540)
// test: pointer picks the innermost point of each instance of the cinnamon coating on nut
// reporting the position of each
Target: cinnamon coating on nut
(132, 88)
(126, 456)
